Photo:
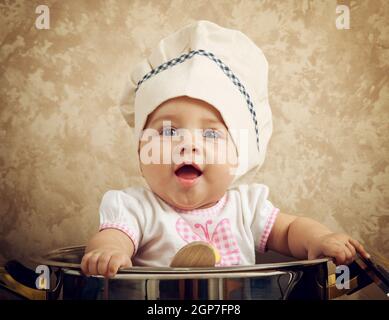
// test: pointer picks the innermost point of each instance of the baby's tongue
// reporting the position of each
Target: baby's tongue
(187, 172)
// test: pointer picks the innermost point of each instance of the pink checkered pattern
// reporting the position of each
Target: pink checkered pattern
(266, 231)
(122, 228)
(185, 231)
(222, 238)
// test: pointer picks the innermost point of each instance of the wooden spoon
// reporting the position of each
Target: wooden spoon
(196, 254)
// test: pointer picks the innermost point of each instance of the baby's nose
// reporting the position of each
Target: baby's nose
(189, 147)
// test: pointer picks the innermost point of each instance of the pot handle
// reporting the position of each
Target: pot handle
(377, 273)
(362, 273)
(19, 279)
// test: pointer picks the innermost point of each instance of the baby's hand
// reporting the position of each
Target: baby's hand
(105, 261)
(339, 246)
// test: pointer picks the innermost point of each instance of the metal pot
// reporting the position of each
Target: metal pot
(308, 279)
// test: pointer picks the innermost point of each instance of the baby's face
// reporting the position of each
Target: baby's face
(194, 152)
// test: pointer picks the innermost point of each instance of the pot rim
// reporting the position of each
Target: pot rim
(51, 259)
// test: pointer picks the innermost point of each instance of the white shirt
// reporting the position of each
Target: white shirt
(237, 225)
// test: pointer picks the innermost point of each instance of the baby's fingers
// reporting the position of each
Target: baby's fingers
(338, 252)
(350, 253)
(84, 263)
(88, 263)
(359, 248)
(116, 262)
(92, 263)
(102, 264)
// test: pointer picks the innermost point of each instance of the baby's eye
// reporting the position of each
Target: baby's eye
(211, 133)
(168, 131)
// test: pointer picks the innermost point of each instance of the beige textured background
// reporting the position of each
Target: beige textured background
(63, 142)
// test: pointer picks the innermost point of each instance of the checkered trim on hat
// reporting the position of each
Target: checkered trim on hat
(221, 65)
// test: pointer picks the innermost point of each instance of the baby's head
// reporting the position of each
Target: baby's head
(186, 153)
(208, 84)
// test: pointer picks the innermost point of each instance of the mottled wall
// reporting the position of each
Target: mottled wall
(64, 143)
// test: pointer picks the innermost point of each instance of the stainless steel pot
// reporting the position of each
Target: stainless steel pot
(308, 279)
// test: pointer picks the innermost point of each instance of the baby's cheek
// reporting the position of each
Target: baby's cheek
(219, 173)
(216, 152)
(156, 174)
(150, 152)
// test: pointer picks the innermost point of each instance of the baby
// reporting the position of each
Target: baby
(202, 122)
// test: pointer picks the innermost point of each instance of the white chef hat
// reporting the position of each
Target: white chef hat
(220, 66)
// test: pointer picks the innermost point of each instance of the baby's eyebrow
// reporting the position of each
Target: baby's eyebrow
(170, 117)
(163, 118)
(212, 121)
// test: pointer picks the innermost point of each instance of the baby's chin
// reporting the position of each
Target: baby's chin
(184, 205)
(192, 204)
(191, 199)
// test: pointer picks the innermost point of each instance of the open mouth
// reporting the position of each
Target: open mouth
(188, 172)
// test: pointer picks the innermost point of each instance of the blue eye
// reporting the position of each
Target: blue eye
(168, 131)
(210, 133)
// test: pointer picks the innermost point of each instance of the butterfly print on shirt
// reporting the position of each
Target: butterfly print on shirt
(222, 238)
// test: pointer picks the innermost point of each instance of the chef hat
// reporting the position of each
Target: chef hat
(220, 66)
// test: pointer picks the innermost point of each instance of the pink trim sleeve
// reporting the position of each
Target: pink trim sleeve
(267, 229)
(124, 229)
